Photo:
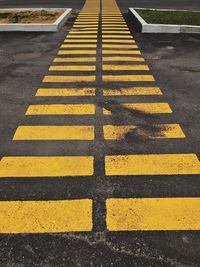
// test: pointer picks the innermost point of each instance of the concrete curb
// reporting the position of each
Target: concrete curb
(145, 27)
(50, 27)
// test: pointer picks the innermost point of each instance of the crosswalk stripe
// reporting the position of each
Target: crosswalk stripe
(152, 108)
(72, 68)
(115, 28)
(86, 23)
(118, 41)
(49, 132)
(121, 52)
(52, 216)
(83, 32)
(78, 46)
(125, 67)
(152, 164)
(115, 32)
(65, 92)
(61, 109)
(117, 36)
(128, 78)
(152, 214)
(27, 166)
(132, 91)
(121, 58)
(75, 59)
(113, 132)
(63, 79)
(122, 46)
(94, 36)
(80, 41)
(77, 52)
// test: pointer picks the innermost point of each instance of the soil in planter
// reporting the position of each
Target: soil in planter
(27, 17)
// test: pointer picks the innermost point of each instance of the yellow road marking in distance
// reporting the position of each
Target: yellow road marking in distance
(132, 91)
(121, 58)
(121, 52)
(125, 67)
(80, 41)
(77, 52)
(62, 79)
(75, 59)
(117, 36)
(128, 78)
(152, 164)
(83, 32)
(65, 92)
(122, 46)
(72, 68)
(81, 36)
(61, 109)
(153, 214)
(26, 166)
(152, 108)
(118, 41)
(112, 132)
(78, 46)
(52, 216)
(49, 132)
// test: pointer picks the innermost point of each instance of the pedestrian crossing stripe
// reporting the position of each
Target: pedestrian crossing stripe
(125, 67)
(77, 52)
(128, 78)
(64, 79)
(132, 91)
(122, 58)
(73, 68)
(75, 59)
(65, 92)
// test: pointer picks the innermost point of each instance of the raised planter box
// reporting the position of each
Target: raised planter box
(141, 25)
(39, 27)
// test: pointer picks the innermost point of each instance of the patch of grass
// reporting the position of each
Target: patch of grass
(170, 17)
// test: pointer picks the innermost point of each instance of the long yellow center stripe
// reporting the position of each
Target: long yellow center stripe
(45, 216)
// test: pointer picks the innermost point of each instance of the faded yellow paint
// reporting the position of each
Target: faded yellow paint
(112, 132)
(121, 52)
(143, 107)
(74, 59)
(153, 214)
(125, 67)
(84, 32)
(49, 132)
(128, 78)
(78, 46)
(46, 166)
(117, 41)
(122, 46)
(115, 32)
(73, 68)
(80, 41)
(118, 58)
(63, 79)
(61, 109)
(65, 92)
(50, 216)
(118, 36)
(94, 36)
(77, 52)
(132, 91)
(152, 164)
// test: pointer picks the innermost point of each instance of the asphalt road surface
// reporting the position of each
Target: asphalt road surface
(99, 143)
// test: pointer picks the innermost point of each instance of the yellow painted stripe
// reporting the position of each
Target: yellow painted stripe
(63, 79)
(145, 107)
(122, 46)
(118, 36)
(83, 28)
(84, 32)
(132, 91)
(118, 41)
(121, 52)
(115, 28)
(94, 36)
(158, 164)
(46, 166)
(54, 133)
(75, 59)
(80, 41)
(125, 67)
(113, 24)
(128, 78)
(61, 109)
(115, 32)
(112, 132)
(78, 46)
(121, 58)
(86, 23)
(77, 52)
(153, 214)
(52, 216)
(72, 68)
(65, 92)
